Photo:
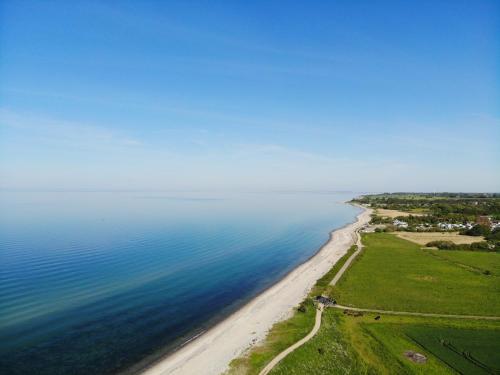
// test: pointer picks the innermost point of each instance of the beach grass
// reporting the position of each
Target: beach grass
(281, 336)
(329, 352)
(395, 274)
(287, 332)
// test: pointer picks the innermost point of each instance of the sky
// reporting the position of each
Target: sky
(250, 95)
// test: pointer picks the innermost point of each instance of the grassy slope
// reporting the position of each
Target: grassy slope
(329, 352)
(363, 345)
(395, 274)
(284, 334)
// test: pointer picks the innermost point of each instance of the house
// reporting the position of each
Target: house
(483, 220)
(400, 223)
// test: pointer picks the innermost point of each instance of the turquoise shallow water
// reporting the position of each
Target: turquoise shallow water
(101, 283)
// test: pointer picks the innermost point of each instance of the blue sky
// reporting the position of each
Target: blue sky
(261, 95)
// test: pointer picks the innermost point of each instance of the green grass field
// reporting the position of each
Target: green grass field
(395, 274)
(363, 345)
(481, 261)
(468, 351)
(329, 352)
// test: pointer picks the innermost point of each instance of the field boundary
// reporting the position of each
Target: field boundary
(429, 315)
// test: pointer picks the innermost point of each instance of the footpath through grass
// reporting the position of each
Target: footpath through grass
(349, 344)
(284, 334)
(395, 274)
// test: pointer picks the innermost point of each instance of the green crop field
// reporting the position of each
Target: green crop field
(362, 345)
(468, 351)
(395, 274)
(481, 261)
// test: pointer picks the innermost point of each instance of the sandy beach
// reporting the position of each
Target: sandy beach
(212, 352)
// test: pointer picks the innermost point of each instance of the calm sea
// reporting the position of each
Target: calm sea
(102, 283)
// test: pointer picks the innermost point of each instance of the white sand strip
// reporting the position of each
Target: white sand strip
(210, 353)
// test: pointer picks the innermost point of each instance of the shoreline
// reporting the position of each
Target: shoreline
(211, 351)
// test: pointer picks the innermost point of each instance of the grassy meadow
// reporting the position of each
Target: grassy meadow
(395, 274)
(487, 263)
(362, 345)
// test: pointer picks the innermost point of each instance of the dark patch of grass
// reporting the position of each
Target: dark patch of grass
(468, 351)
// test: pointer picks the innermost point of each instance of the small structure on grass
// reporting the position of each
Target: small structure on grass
(327, 301)
(415, 357)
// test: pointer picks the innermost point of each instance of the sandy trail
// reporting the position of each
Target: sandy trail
(211, 352)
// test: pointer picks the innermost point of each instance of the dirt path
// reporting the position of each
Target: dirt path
(432, 315)
(299, 343)
(319, 312)
(317, 324)
(349, 261)
(346, 265)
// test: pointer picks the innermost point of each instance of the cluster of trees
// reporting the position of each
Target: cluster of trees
(491, 243)
(452, 206)
(380, 220)
(476, 246)
(477, 230)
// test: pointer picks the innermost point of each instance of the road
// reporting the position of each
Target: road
(346, 265)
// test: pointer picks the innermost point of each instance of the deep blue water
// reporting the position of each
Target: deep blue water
(101, 283)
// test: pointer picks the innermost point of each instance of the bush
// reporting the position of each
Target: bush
(390, 228)
(380, 220)
(442, 245)
(494, 235)
(302, 308)
(477, 230)
(448, 245)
